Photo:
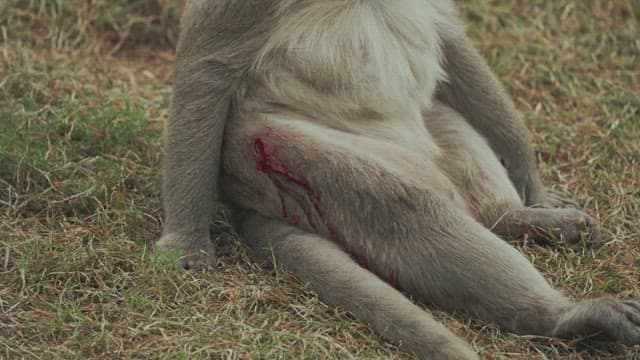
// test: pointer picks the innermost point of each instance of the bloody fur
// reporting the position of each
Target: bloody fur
(285, 181)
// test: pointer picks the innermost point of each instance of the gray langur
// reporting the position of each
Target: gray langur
(370, 149)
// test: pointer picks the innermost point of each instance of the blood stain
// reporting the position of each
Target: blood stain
(284, 179)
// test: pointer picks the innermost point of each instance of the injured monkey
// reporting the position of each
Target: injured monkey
(367, 146)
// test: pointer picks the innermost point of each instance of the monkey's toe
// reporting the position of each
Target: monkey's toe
(627, 316)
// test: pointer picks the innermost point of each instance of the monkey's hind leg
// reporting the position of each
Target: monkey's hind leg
(340, 281)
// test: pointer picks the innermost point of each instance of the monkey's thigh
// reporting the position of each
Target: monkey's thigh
(471, 165)
(320, 179)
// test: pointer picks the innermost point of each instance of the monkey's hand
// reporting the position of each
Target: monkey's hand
(197, 251)
(525, 179)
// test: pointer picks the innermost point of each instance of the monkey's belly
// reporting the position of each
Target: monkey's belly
(321, 179)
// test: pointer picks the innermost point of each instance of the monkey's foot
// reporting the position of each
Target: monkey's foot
(195, 252)
(558, 199)
(571, 225)
(606, 318)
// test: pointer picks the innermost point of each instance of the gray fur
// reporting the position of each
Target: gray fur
(363, 143)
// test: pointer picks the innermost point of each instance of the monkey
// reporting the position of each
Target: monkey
(368, 148)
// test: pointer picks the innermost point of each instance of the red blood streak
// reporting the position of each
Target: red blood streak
(267, 163)
(301, 200)
(335, 237)
(364, 250)
(284, 204)
(388, 266)
(283, 179)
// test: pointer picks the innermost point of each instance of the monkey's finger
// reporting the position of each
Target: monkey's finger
(559, 199)
(632, 303)
(632, 312)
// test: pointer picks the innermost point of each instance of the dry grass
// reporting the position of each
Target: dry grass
(83, 93)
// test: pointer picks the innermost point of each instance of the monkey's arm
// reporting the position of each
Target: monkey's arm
(193, 142)
(474, 91)
(212, 56)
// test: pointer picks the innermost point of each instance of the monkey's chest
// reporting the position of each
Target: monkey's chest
(371, 58)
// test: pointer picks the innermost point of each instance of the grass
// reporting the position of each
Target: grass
(84, 87)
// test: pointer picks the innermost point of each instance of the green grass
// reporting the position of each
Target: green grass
(83, 96)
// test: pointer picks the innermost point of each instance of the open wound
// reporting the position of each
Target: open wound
(299, 189)
(287, 183)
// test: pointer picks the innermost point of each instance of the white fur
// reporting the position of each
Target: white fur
(363, 65)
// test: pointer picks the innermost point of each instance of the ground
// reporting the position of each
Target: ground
(84, 88)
